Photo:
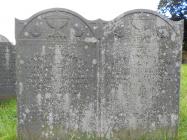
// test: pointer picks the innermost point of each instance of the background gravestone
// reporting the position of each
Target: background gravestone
(80, 79)
(7, 69)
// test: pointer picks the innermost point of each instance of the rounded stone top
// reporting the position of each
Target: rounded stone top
(3, 39)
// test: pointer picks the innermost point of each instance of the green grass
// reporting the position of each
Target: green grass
(8, 113)
(183, 104)
(8, 117)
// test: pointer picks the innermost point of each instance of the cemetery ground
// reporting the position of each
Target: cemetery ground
(8, 116)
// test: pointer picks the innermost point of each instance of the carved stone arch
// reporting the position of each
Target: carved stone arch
(150, 12)
(117, 27)
(56, 19)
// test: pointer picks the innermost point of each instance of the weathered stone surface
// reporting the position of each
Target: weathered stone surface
(87, 80)
(141, 64)
(7, 69)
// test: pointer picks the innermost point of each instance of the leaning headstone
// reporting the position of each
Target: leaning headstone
(88, 80)
(7, 69)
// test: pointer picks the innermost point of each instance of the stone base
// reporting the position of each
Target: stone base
(123, 134)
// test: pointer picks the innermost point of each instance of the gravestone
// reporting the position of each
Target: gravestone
(88, 80)
(7, 69)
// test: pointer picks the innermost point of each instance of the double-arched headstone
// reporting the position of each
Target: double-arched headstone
(87, 80)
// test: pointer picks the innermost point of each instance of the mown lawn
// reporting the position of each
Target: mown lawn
(183, 104)
(8, 115)
(8, 118)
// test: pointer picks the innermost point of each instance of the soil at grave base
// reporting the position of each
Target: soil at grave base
(184, 57)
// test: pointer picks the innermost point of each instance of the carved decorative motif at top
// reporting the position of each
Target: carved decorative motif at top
(55, 25)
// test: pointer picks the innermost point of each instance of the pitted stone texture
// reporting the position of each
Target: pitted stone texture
(7, 69)
(57, 76)
(80, 79)
(141, 66)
